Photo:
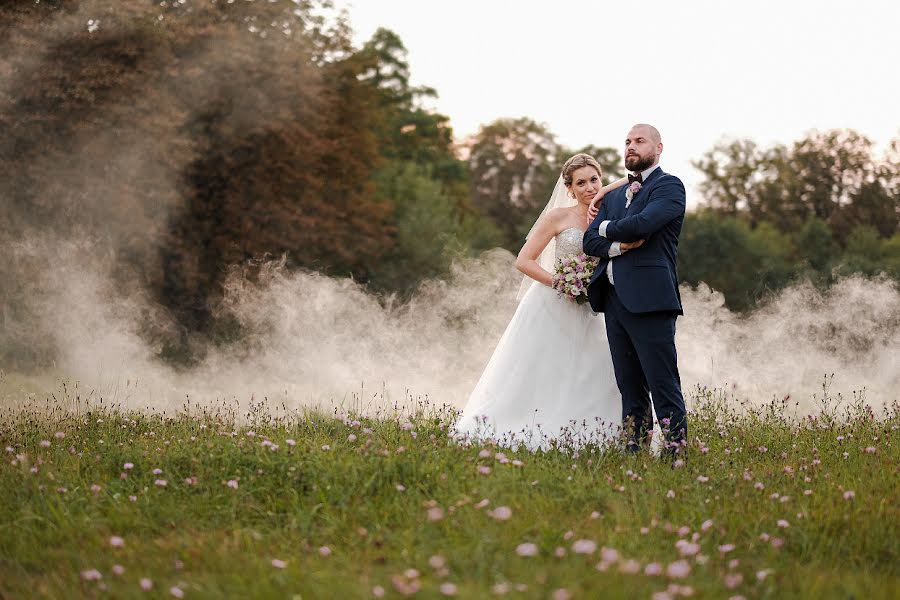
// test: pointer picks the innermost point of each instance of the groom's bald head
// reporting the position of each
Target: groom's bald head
(649, 131)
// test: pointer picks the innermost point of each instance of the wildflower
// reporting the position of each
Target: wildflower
(702, 478)
(584, 546)
(484, 470)
(726, 548)
(290, 442)
(118, 569)
(595, 515)
(128, 466)
(527, 549)
(95, 488)
(559, 552)
(732, 580)
(351, 438)
(45, 443)
(400, 487)
(849, 495)
(161, 483)
(670, 494)
(278, 563)
(157, 471)
(807, 492)
(609, 555)
(678, 569)
(870, 450)
(783, 524)
(326, 447)
(116, 541)
(325, 551)
(132, 498)
(146, 584)
(501, 513)
(707, 525)
(437, 561)
(435, 513)
(448, 589)
(653, 570)
(233, 484)
(59, 435)
(176, 591)
(378, 591)
(91, 575)
(759, 485)
(686, 548)
(561, 594)
(777, 543)
(517, 463)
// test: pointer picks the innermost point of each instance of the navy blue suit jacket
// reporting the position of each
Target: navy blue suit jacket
(646, 278)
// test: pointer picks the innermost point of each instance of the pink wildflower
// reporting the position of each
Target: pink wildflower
(584, 547)
(278, 563)
(146, 584)
(116, 541)
(678, 569)
(501, 513)
(527, 549)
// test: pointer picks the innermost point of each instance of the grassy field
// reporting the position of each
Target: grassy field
(99, 502)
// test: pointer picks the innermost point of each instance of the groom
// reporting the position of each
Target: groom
(635, 285)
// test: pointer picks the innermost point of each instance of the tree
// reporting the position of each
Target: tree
(832, 176)
(513, 167)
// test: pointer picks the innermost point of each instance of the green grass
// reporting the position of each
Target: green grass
(211, 540)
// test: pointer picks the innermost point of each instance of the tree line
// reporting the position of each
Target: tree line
(188, 138)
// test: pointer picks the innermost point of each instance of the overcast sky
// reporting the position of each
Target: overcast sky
(701, 71)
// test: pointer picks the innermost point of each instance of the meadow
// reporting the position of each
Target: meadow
(97, 501)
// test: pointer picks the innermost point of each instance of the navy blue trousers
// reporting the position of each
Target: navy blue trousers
(646, 365)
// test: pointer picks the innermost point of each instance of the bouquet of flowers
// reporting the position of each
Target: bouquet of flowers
(572, 275)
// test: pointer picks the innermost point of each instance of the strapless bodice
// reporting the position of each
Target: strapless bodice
(568, 242)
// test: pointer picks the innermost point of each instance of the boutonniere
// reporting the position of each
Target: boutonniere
(633, 188)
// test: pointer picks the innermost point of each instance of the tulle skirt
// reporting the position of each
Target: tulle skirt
(549, 380)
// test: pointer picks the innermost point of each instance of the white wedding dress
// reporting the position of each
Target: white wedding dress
(551, 376)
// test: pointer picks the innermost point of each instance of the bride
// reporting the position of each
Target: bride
(551, 376)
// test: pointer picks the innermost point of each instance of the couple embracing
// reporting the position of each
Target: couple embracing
(568, 373)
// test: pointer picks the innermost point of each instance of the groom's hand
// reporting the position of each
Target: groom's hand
(626, 246)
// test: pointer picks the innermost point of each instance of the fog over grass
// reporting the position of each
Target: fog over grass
(311, 339)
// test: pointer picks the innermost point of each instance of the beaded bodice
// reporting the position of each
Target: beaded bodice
(568, 242)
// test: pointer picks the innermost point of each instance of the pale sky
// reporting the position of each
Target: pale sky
(701, 71)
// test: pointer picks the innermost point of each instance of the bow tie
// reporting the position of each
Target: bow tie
(632, 178)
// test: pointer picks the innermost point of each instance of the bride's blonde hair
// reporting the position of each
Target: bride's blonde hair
(575, 163)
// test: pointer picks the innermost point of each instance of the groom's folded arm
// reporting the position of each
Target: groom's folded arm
(666, 204)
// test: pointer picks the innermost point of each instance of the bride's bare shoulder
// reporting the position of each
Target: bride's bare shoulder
(557, 217)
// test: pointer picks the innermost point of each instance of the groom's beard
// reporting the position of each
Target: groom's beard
(640, 165)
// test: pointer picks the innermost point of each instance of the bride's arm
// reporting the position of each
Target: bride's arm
(527, 262)
(592, 209)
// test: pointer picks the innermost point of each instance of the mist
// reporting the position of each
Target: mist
(316, 341)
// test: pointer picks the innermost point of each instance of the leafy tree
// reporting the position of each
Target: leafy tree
(726, 253)
(832, 176)
(513, 169)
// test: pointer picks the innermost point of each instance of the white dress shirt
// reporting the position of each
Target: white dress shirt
(616, 248)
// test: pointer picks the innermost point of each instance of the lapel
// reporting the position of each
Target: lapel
(641, 197)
